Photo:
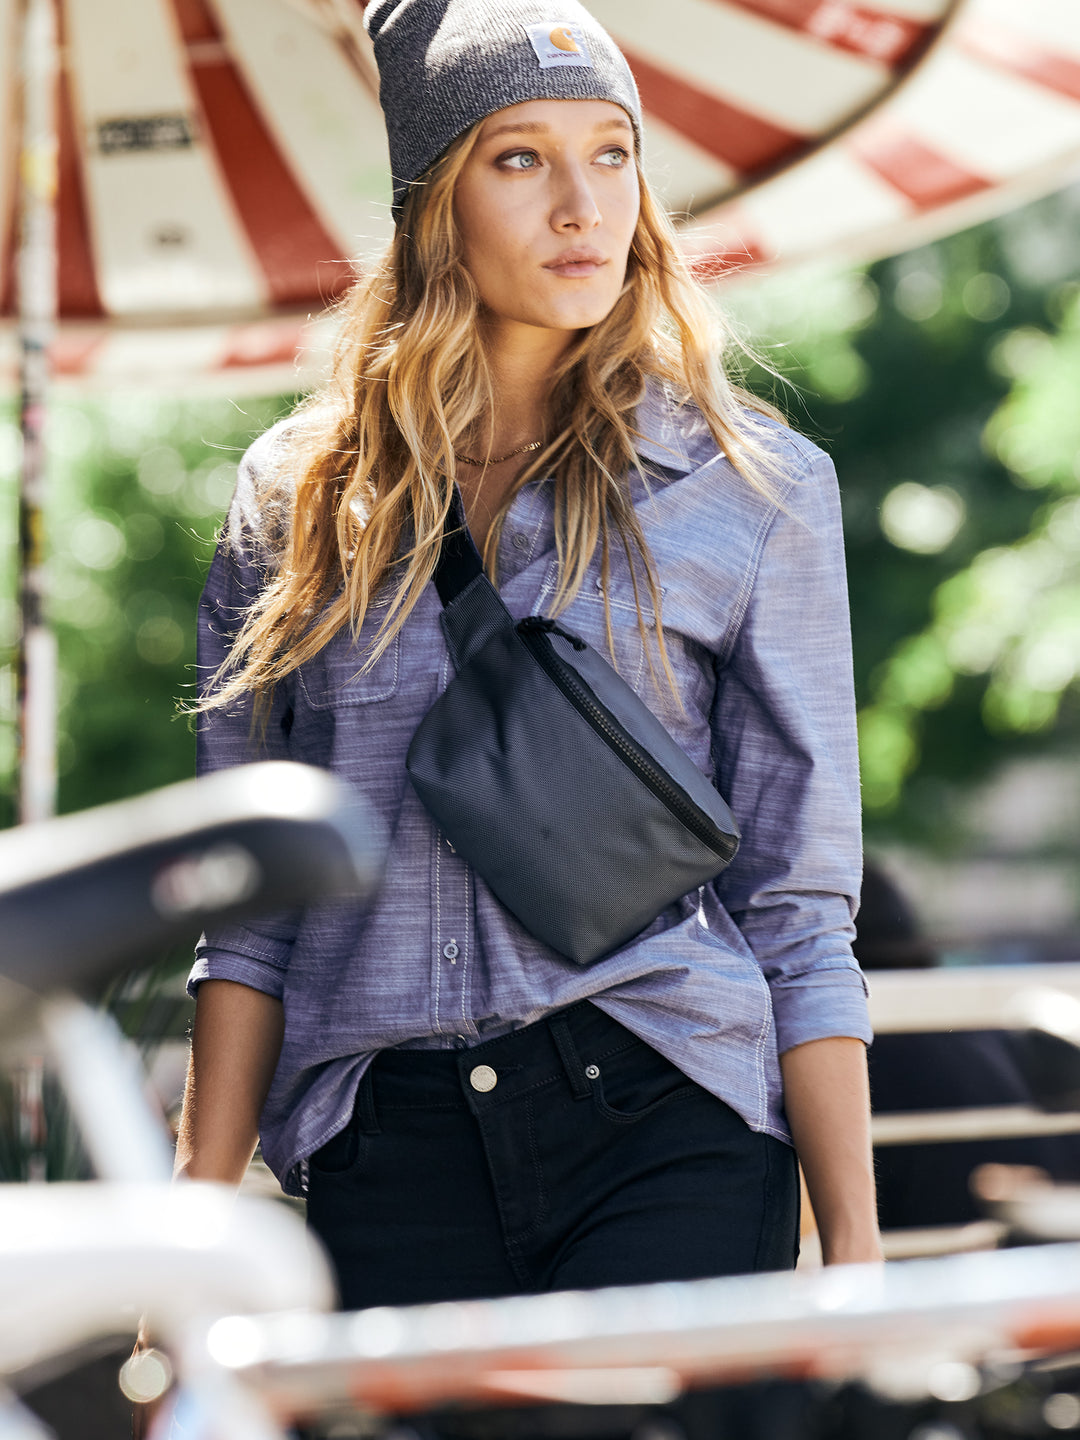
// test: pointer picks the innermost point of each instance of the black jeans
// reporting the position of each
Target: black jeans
(583, 1159)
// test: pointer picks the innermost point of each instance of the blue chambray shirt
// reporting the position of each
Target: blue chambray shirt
(755, 617)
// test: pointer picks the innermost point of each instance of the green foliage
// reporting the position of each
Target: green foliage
(1012, 614)
(38, 1135)
(137, 489)
(944, 385)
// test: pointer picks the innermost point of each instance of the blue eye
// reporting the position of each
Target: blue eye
(616, 157)
(521, 160)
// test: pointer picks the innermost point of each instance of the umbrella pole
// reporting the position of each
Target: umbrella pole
(36, 664)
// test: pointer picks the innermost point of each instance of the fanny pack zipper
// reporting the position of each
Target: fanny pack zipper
(536, 632)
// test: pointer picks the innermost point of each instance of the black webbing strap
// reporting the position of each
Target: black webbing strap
(472, 609)
(459, 560)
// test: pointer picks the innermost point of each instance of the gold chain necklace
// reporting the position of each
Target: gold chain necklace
(465, 460)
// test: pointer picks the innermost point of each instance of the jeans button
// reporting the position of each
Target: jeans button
(483, 1078)
(592, 1072)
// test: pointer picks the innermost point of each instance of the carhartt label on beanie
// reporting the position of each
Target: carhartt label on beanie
(445, 64)
(558, 45)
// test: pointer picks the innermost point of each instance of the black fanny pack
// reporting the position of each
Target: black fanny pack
(548, 774)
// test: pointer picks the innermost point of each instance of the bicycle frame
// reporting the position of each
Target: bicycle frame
(894, 1326)
(78, 897)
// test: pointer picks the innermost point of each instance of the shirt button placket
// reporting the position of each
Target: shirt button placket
(452, 931)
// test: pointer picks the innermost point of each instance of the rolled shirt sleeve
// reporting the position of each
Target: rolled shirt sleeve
(784, 742)
(213, 962)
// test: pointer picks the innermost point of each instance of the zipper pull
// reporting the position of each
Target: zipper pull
(539, 624)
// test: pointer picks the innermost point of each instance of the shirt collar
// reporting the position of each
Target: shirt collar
(660, 435)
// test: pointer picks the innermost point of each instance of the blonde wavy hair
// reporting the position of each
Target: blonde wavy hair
(359, 503)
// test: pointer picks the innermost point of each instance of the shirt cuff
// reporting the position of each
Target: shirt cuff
(823, 1005)
(223, 965)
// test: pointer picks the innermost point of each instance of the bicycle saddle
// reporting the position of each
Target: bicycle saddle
(84, 896)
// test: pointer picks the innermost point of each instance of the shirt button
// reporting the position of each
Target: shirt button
(483, 1078)
(520, 542)
(450, 950)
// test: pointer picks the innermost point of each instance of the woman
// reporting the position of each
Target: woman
(469, 1113)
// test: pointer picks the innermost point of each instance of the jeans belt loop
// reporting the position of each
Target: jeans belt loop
(564, 1043)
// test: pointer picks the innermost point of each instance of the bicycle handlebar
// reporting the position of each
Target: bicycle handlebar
(84, 896)
(891, 1324)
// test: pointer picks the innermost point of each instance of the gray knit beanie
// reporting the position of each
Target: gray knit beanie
(445, 64)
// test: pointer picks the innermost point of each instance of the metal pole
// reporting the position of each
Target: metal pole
(36, 662)
(33, 1126)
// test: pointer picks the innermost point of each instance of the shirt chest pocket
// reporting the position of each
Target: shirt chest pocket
(586, 617)
(337, 677)
(686, 716)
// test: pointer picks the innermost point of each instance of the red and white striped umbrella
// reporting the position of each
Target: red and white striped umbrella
(222, 160)
(988, 116)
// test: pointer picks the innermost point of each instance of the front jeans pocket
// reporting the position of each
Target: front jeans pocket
(635, 1082)
(343, 1155)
